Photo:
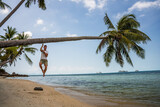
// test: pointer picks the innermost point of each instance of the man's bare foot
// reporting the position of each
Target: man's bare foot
(43, 74)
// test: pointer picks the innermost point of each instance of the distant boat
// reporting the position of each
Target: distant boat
(122, 71)
(136, 70)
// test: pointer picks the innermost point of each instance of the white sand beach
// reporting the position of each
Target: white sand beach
(20, 93)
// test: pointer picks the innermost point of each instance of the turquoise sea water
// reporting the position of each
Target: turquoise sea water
(142, 87)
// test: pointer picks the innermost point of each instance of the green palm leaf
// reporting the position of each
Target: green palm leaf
(105, 33)
(3, 5)
(134, 36)
(122, 39)
(141, 33)
(10, 33)
(28, 59)
(30, 50)
(139, 51)
(108, 22)
(126, 55)
(108, 54)
(128, 22)
(41, 3)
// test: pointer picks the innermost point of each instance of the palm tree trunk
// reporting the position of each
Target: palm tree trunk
(3, 63)
(11, 13)
(11, 43)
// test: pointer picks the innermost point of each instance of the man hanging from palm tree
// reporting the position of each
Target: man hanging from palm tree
(44, 55)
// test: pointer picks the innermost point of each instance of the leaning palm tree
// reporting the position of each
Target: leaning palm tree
(121, 39)
(41, 4)
(4, 5)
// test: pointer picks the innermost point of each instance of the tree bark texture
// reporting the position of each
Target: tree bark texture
(10, 43)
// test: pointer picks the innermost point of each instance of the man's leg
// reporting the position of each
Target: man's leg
(40, 65)
(45, 69)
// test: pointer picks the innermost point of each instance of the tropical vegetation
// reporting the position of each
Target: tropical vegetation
(10, 55)
(121, 39)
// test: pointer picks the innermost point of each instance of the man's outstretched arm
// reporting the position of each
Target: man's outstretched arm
(41, 48)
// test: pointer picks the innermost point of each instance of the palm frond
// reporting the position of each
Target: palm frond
(28, 3)
(3, 5)
(128, 22)
(105, 33)
(127, 42)
(101, 45)
(108, 54)
(42, 4)
(10, 32)
(141, 33)
(28, 59)
(118, 56)
(139, 51)
(108, 22)
(137, 38)
(126, 55)
(2, 38)
(12, 49)
(22, 36)
(30, 50)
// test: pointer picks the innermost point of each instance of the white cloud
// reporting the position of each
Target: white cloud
(71, 35)
(140, 5)
(77, 1)
(4, 11)
(39, 22)
(92, 4)
(29, 33)
(142, 15)
(44, 29)
(119, 15)
(101, 3)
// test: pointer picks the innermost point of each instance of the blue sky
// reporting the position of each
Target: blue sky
(65, 18)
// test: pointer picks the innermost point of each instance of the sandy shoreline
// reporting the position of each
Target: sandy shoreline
(20, 93)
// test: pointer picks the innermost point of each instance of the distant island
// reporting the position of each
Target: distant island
(122, 71)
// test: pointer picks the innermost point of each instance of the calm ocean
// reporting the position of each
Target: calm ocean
(142, 87)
